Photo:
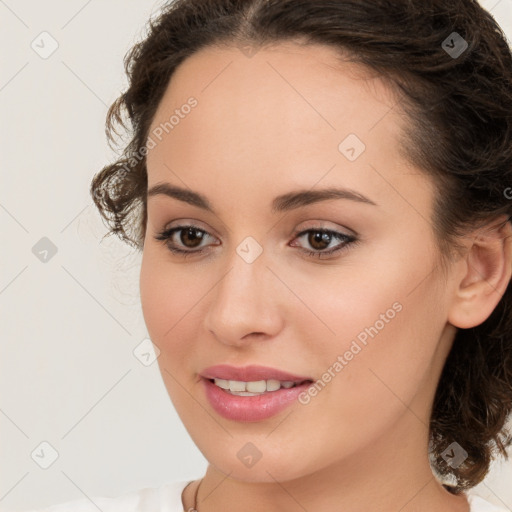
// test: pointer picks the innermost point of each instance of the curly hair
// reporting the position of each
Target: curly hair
(459, 107)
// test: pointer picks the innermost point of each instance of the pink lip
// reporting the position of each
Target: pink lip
(249, 373)
(251, 408)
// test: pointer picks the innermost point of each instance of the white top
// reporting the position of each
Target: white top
(167, 498)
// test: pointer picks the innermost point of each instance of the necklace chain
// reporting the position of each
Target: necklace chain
(194, 509)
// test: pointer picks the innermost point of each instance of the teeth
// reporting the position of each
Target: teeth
(252, 388)
(273, 385)
(259, 386)
(224, 384)
(236, 385)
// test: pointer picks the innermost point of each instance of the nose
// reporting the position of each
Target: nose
(244, 304)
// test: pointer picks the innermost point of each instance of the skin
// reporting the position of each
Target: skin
(266, 125)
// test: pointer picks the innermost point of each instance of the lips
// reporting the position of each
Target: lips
(250, 408)
(250, 373)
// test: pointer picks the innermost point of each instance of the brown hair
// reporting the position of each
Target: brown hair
(459, 106)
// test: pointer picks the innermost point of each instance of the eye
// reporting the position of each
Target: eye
(192, 236)
(320, 239)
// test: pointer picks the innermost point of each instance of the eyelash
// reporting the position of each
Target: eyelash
(349, 240)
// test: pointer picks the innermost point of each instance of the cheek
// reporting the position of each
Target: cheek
(387, 329)
(171, 301)
(168, 311)
(163, 292)
(158, 295)
(154, 299)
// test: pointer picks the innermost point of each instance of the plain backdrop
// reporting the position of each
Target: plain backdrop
(82, 413)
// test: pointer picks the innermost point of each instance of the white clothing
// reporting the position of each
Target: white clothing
(167, 498)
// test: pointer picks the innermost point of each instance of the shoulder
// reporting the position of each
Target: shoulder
(478, 504)
(150, 499)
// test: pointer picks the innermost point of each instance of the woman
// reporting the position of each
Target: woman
(321, 191)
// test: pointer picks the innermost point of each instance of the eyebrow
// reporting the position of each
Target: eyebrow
(282, 203)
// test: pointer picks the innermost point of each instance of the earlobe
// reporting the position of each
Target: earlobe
(488, 269)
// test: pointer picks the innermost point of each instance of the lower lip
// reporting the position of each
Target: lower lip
(251, 408)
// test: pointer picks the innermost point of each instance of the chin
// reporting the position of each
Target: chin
(269, 467)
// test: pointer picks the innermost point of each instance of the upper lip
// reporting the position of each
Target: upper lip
(249, 373)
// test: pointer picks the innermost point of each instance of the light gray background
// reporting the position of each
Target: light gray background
(68, 373)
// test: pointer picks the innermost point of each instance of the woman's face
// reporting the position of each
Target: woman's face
(368, 322)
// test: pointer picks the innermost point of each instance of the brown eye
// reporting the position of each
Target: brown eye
(320, 239)
(190, 237)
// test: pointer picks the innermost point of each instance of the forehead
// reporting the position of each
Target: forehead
(279, 116)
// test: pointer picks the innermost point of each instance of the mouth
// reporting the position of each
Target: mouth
(252, 401)
(251, 393)
(256, 387)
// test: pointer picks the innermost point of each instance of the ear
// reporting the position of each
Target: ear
(485, 273)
